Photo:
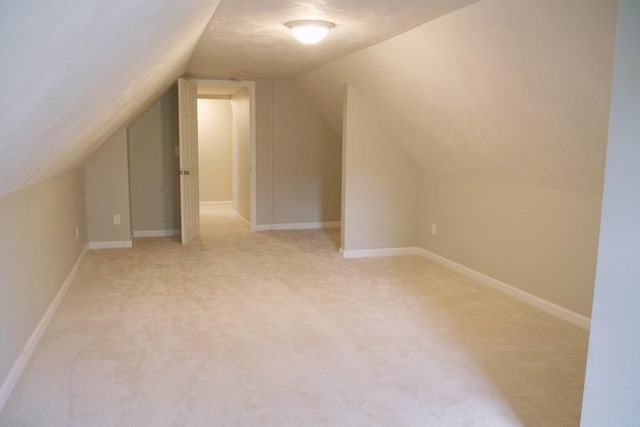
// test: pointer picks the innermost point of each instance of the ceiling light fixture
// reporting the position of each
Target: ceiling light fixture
(309, 31)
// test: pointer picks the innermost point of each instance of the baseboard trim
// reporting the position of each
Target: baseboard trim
(530, 299)
(111, 245)
(370, 253)
(156, 233)
(222, 204)
(19, 365)
(306, 225)
(526, 297)
(262, 227)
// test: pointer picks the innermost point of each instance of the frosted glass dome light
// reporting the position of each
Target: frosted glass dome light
(310, 31)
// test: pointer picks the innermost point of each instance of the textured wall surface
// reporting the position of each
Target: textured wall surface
(506, 91)
(38, 248)
(79, 71)
(504, 107)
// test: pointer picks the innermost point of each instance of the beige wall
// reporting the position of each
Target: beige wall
(496, 102)
(215, 138)
(306, 160)
(298, 161)
(539, 240)
(38, 248)
(241, 151)
(264, 147)
(107, 189)
(380, 186)
(155, 187)
(500, 90)
(612, 385)
(298, 158)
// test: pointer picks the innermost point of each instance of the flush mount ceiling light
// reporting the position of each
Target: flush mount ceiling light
(309, 31)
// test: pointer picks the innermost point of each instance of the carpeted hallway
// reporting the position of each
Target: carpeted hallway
(276, 329)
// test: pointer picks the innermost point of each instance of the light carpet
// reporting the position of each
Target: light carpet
(276, 329)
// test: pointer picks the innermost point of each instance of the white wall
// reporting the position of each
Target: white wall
(612, 387)
(215, 140)
(38, 249)
(241, 152)
(306, 160)
(155, 187)
(380, 184)
(107, 189)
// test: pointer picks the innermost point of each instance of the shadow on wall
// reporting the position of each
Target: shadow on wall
(153, 162)
(306, 160)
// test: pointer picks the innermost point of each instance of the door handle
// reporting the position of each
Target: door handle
(183, 172)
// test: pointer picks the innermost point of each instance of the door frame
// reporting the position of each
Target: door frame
(251, 86)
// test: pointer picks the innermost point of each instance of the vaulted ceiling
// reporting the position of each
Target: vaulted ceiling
(508, 90)
(73, 72)
(501, 90)
(248, 39)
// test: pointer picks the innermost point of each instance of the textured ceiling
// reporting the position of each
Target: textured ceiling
(73, 72)
(502, 90)
(248, 39)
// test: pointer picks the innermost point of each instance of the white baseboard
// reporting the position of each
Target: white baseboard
(156, 233)
(368, 253)
(111, 245)
(19, 365)
(222, 204)
(542, 304)
(262, 227)
(539, 303)
(306, 225)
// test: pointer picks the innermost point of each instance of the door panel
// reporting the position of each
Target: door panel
(188, 128)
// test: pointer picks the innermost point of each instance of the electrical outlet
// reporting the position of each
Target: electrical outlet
(434, 230)
(116, 219)
(77, 232)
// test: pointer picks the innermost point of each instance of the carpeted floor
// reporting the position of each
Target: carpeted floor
(276, 329)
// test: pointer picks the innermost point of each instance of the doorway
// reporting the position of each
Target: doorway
(226, 147)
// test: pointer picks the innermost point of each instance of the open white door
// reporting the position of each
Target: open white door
(188, 127)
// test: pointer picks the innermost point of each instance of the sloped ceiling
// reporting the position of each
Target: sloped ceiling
(248, 39)
(512, 91)
(507, 90)
(73, 72)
